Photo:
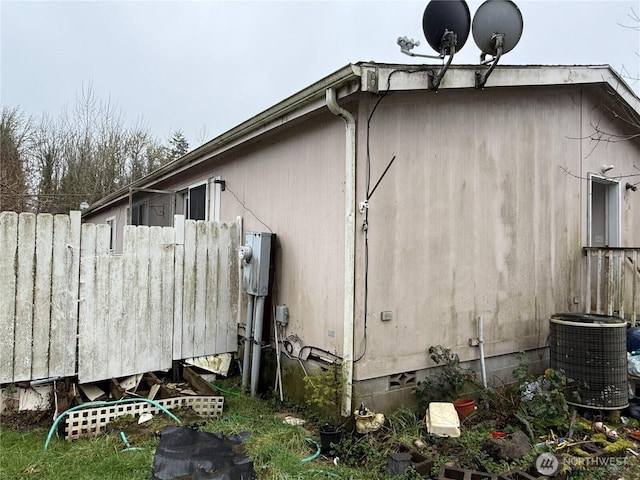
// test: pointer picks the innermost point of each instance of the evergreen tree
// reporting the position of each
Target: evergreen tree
(178, 145)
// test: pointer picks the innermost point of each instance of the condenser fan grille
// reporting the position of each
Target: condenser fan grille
(592, 350)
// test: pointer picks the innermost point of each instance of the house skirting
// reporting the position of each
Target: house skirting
(386, 394)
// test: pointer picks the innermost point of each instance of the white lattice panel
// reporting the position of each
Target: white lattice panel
(89, 421)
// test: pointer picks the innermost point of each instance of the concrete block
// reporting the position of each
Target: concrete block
(456, 473)
(516, 475)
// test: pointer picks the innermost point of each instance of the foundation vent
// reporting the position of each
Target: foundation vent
(402, 380)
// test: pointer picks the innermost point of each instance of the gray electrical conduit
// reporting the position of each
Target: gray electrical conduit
(104, 404)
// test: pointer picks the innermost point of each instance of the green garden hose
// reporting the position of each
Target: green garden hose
(105, 404)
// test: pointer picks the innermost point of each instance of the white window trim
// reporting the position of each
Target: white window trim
(614, 209)
(214, 192)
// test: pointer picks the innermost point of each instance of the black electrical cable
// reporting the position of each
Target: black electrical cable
(381, 177)
(247, 208)
(365, 225)
(337, 358)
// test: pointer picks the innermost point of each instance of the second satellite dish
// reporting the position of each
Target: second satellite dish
(443, 16)
(497, 17)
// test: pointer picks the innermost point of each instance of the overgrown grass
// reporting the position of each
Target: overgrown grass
(22, 456)
(276, 448)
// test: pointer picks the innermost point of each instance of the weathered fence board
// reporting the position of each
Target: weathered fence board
(129, 295)
(178, 290)
(24, 297)
(87, 306)
(172, 294)
(116, 317)
(72, 267)
(200, 311)
(8, 247)
(167, 293)
(141, 287)
(228, 300)
(42, 296)
(211, 292)
(64, 295)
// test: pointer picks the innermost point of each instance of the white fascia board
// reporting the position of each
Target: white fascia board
(382, 77)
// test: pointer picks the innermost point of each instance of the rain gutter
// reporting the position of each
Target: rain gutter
(349, 248)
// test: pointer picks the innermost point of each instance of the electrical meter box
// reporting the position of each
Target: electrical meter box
(256, 262)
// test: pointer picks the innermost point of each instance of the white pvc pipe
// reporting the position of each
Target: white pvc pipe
(248, 341)
(257, 346)
(349, 248)
(483, 366)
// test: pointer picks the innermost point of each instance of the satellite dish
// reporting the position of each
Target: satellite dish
(497, 28)
(495, 17)
(444, 16)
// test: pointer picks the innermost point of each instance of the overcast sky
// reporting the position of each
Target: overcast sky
(204, 66)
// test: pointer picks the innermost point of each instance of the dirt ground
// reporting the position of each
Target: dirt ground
(28, 420)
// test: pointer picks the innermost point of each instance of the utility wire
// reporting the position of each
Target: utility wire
(365, 225)
(247, 208)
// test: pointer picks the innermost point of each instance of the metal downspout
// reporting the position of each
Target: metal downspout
(349, 247)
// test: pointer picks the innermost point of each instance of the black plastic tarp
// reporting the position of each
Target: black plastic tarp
(186, 454)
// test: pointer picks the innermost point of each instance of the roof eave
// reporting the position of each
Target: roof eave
(292, 107)
(376, 77)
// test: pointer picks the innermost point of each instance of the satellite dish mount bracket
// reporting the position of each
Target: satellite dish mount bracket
(447, 47)
(497, 43)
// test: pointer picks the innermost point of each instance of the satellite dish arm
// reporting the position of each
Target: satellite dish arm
(406, 44)
(436, 78)
(498, 40)
(411, 54)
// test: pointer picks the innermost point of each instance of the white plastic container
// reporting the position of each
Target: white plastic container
(442, 419)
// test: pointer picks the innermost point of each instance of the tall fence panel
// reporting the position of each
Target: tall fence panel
(39, 268)
(206, 301)
(126, 313)
(173, 293)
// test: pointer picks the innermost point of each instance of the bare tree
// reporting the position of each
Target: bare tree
(634, 24)
(90, 152)
(15, 135)
(617, 108)
(84, 155)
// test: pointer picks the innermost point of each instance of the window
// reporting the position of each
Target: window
(198, 202)
(139, 214)
(111, 221)
(604, 212)
(192, 202)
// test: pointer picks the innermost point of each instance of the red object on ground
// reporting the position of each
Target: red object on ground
(464, 407)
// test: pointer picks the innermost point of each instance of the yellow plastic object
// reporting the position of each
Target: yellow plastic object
(442, 419)
(368, 421)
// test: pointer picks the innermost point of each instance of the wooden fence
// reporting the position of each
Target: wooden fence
(69, 306)
(613, 282)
